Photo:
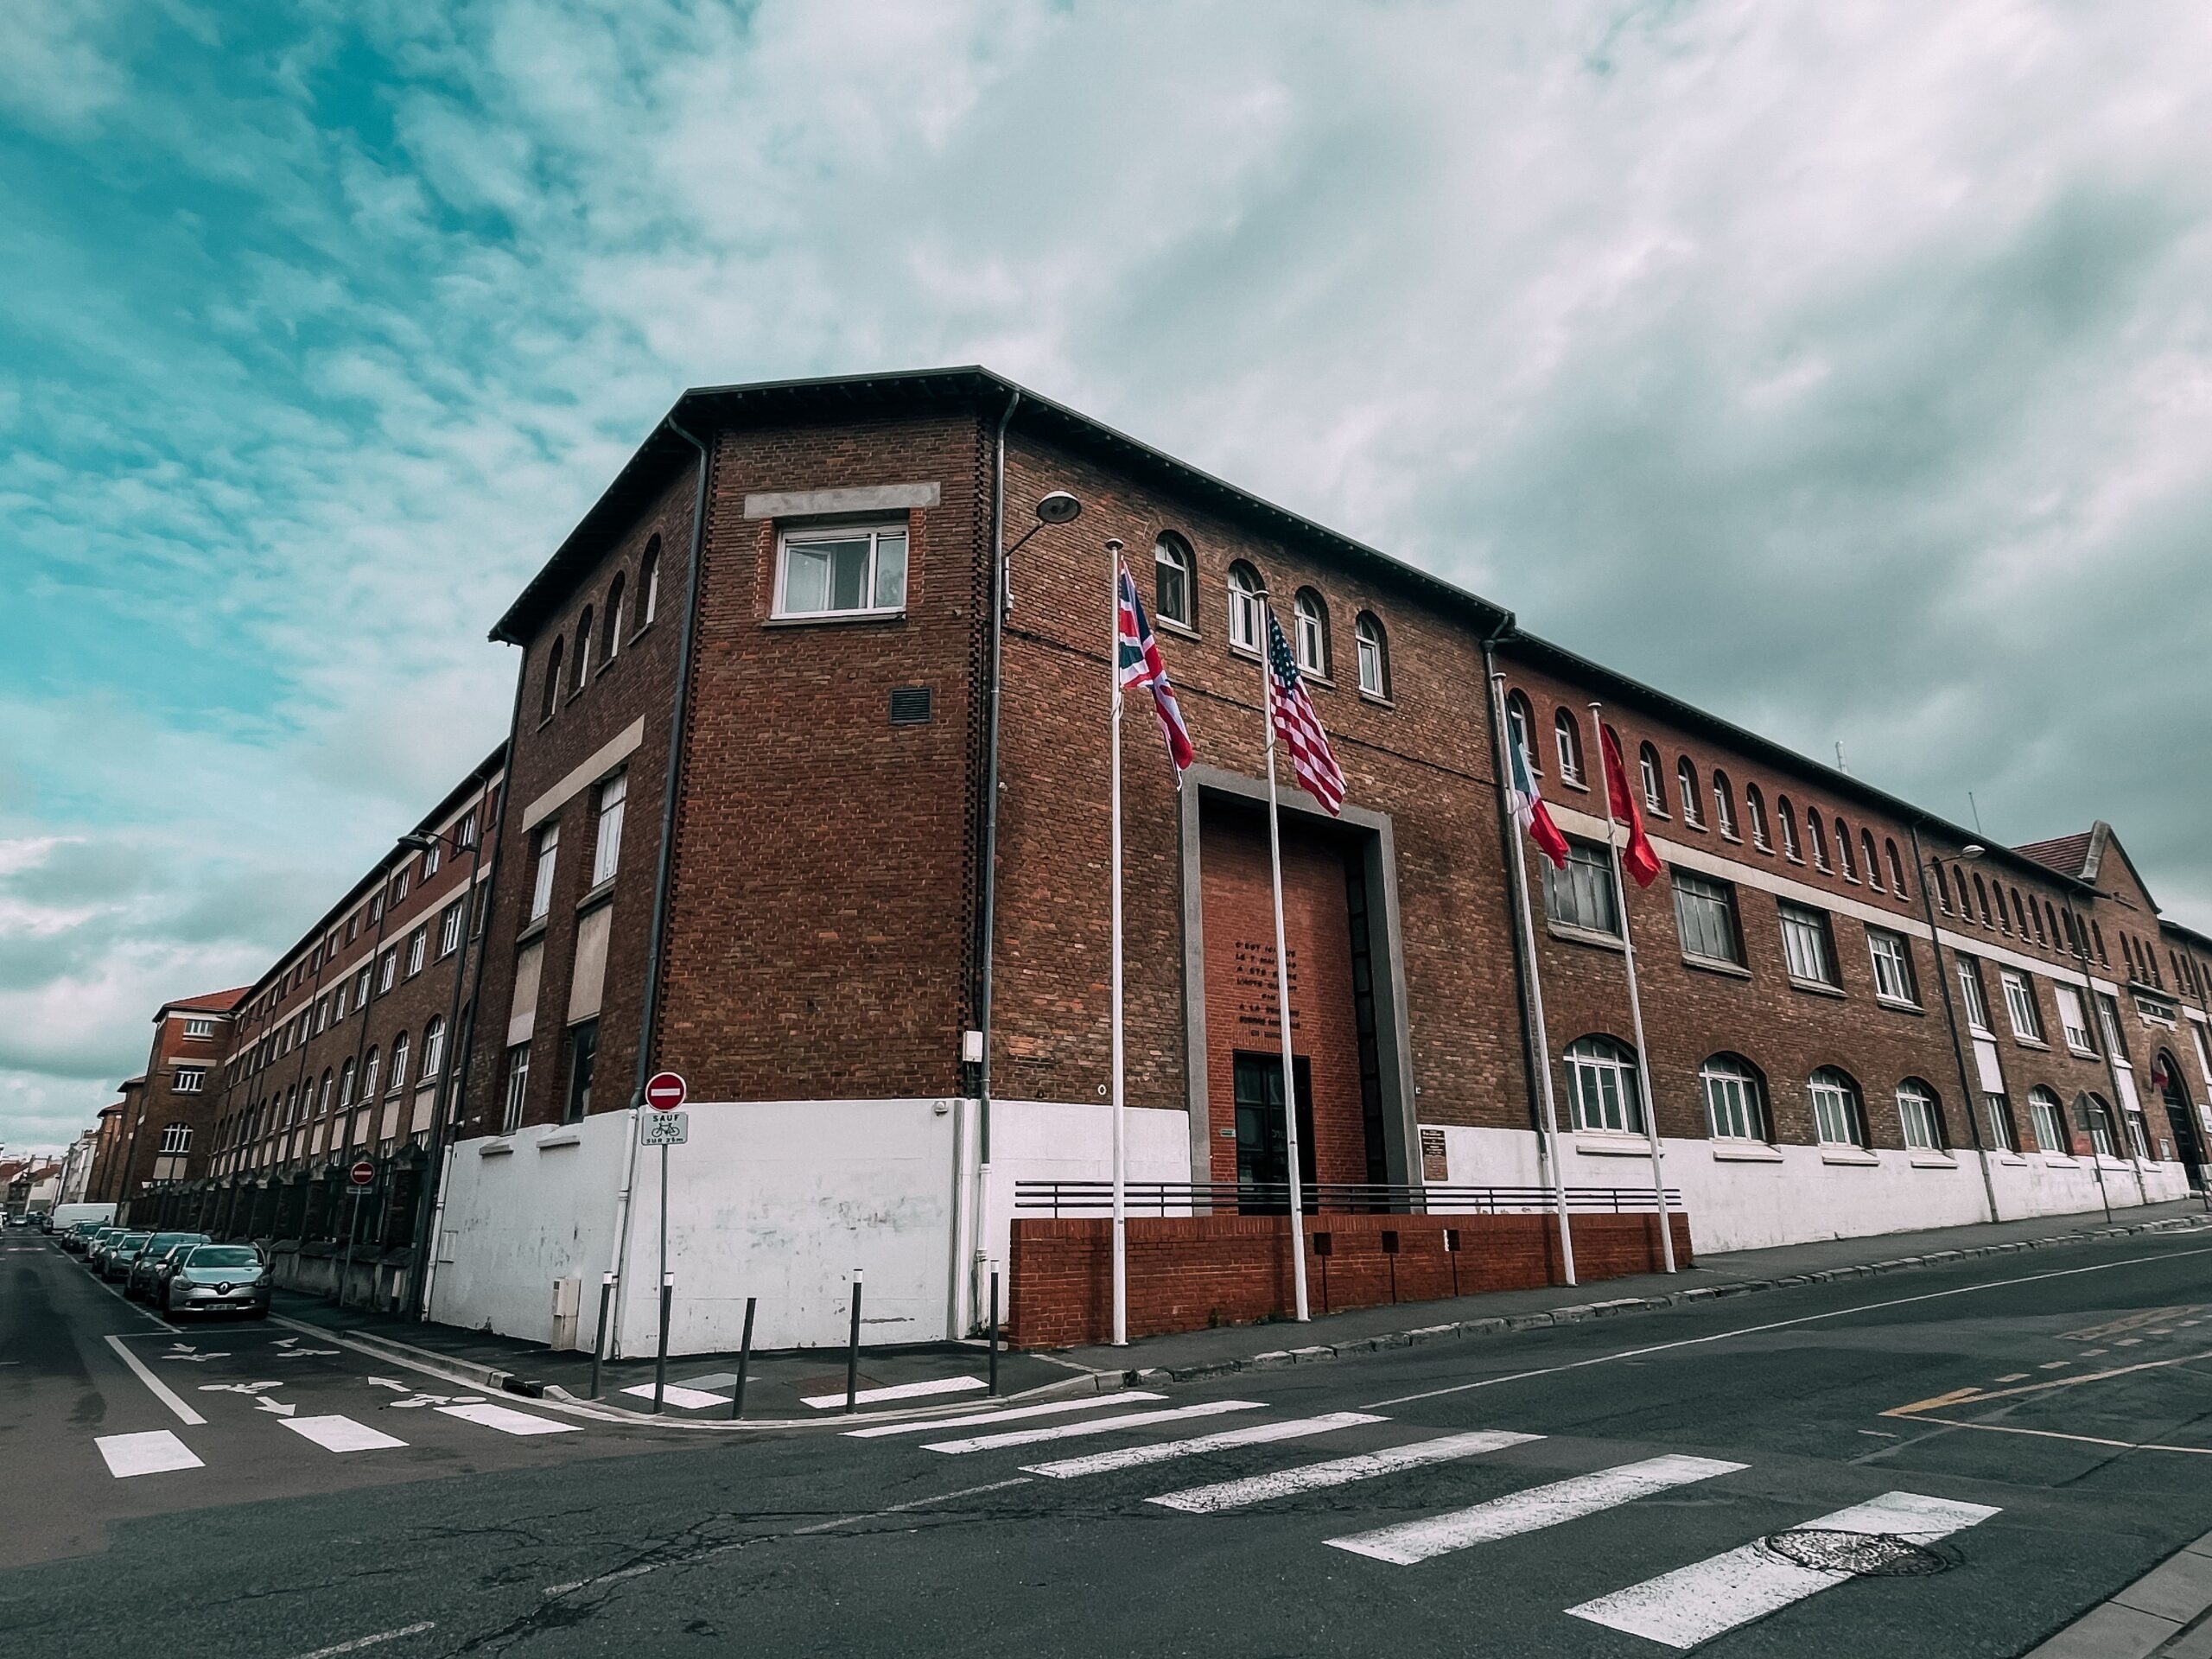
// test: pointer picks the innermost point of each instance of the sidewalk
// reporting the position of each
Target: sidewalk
(1189, 1354)
(2165, 1614)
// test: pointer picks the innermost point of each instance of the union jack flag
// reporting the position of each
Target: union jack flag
(1138, 664)
(1297, 725)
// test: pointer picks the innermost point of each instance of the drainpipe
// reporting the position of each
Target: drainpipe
(1969, 1094)
(663, 876)
(351, 1202)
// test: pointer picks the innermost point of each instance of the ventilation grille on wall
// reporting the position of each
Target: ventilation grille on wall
(910, 705)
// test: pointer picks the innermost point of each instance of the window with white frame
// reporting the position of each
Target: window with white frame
(388, 971)
(1567, 739)
(1654, 788)
(1843, 855)
(345, 1085)
(466, 835)
(2020, 1006)
(1244, 624)
(1520, 721)
(399, 886)
(1976, 999)
(1581, 895)
(850, 570)
(1785, 823)
(1918, 1115)
(1839, 1118)
(198, 1027)
(1998, 1112)
(322, 1016)
(449, 925)
(1705, 914)
(2047, 1118)
(2073, 1019)
(1174, 579)
(517, 1088)
(434, 1047)
(432, 855)
(2108, 1023)
(1892, 956)
(648, 583)
(188, 1079)
(1755, 809)
(1807, 948)
(1602, 1086)
(2099, 1115)
(177, 1139)
(1815, 840)
(1313, 631)
(418, 948)
(1374, 655)
(2204, 1048)
(541, 889)
(1735, 1098)
(2139, 1137)
(1723, 806)
(400, 1049)
(607, 849)
(1685, 785)
(369, 1074)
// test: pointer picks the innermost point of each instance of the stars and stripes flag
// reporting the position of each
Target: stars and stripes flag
(1138, 665)
(1296, 724)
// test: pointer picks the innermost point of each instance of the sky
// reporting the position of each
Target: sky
(1845, 369)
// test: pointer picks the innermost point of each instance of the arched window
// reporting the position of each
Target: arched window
(2019, 915)
(614, 647)
(2058, 936)
(346, 1086)
(1174, 579)
(2097, 935)
(1685, 786)
(434, 1047)
(1724, 805)
(1873, 864)
(1843, 855)
(1655, 786)
(1897, 871)
(1601, 1083)
(1567, 739)
(1374, 648)
(2048, 1118)
(1839, 1114)
(1520, 729)
(1244, 590)
(2102, 1140)
(1785, 820)
(1755, 809)
(1735, 1098)
(1312, 625)
(2035, 916)
(1814, 839)
(551, 697)
(1966, 893)
(1982, 899)
(1921, 1117)
(649, 583)
(583, 648)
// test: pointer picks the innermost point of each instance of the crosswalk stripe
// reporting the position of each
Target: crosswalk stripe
(1094, 1426)
(1531, 1510)
(1132, 1456)
(1338, 1471)
(1699, 1602)
(506, 1422)
(896, 1391)
(336, 1434)
(1050, 1409)
(678, 1395)
(153, 1453)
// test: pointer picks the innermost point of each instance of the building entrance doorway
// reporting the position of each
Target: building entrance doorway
(1262, 1140)
(2189, 1144)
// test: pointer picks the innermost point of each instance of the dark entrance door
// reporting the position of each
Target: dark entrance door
(1263, 1147)
(2189, 1146)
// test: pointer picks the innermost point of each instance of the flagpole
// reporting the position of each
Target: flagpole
(1635, 1000)
(1114, 860)
(1282, 986)
(1519, 861)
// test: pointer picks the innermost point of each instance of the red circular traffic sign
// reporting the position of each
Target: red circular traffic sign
(363, 1174)
(666, 1091)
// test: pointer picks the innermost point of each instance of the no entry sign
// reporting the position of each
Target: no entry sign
(666, 1091)
(363, 1174)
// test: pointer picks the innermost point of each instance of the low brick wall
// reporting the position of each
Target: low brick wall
(1190, 1272)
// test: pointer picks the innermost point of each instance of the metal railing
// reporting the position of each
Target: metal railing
(1061, 1199)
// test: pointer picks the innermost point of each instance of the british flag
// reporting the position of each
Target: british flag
(1138, 664)
(1297, 725)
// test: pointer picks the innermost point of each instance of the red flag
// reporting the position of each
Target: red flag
(1638, 858)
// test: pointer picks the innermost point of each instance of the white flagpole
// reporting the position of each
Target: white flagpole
(1114, 860)
(1635, 1000)
(1282, 980)
(1536, 1010)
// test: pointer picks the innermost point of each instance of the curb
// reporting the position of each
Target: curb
(2162, 1613)
(1508, 1324)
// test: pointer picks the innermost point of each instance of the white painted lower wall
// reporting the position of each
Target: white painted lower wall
(1799, 1194)
(1073, 1141)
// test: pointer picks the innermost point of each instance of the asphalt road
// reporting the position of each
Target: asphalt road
(1954, 1462)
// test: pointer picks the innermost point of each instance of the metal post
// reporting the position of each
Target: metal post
(352, 1227)
(743, 1361)
(994, 1388)
(599, 1341)
(853, 1349)
(1121, 1317)
(1951, 1019)
(660, 1356)
(1303, 1313)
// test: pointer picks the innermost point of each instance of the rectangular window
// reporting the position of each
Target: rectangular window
(583, 1058)
(1893, 976)
(189, 1079)
(1999, 1115)
(2139, 1138)
(199, 1028)
(431, 856)
(607, 851)
(388, 973)
(517, 1088)
(361, 988)
(418, 946)
(1704, 913)
(852, 570)
(1805, 945)
(1581, 895)
(176, 1139)
(2073, 1019)
(399, 887)
(2021, 1007)
(541, 891)
(449, 924)
(2050, 1122)
(2108, 1022)
(1977, 1000)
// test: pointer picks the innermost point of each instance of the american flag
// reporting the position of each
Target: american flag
(1137, 663)
(1297, 725)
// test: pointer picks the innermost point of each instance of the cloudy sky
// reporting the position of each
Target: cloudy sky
(1846, 368)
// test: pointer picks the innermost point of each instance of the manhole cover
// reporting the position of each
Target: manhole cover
(1862, 1554)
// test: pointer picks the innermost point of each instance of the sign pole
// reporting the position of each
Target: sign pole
(1282, 1012)
(660, 1357)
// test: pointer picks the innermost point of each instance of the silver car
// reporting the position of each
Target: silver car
(219, 1279)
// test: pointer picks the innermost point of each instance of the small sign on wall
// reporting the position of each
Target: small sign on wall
(1435, 1165)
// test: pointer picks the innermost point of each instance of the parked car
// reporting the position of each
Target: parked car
(218, 1279)
(116, 1259)
(74, 1237)
(141, 1280)
(97, 1247)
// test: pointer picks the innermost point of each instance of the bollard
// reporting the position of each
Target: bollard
(853, 1350)
(744, 1362)
(660, 1360)
(598, 1342)
(994, 1331)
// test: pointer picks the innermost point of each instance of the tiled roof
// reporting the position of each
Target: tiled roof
(2068, 854)
(210, 1002)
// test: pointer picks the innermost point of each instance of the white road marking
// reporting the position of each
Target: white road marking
(1094, 1426)
(1132, 1456)
(2015, 1377)
(1779, 1325)
(1050, 1409)
(897, 1391)
(249, 1389)
(679, 1396)
(506, 1422)
(1338, 1471)
(1533, 1510)
(336, 1434)
(1697, 1603)
(360, 1641)
(162, 1392)
(151, 1453)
